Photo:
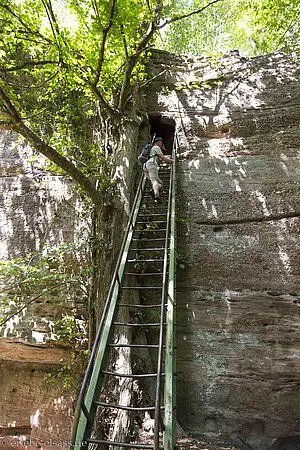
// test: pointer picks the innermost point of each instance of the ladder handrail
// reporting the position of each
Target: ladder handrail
(163, 302)
(80, 407)
(84, 412)
(169, 438)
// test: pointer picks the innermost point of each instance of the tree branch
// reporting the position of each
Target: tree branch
(60, 161)
(291, 23)
(50, 153)
(29, 64)
(45, 291)
(113, 114)
(133, 59)
(10, 111)
(96, 9)
(24, 24)
(131, 63)
(124, 42)
(185, 16)
(152, 28)
(58, 38)
(51, 18)
(105, 32)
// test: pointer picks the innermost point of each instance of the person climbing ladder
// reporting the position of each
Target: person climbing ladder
(151, 166)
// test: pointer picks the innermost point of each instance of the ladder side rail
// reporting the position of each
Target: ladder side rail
(162, 319)
(169, 438)
(81, 418)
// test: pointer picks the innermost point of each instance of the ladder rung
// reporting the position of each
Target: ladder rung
(148, 195)
(148, 208)
(126, 408)
(121, 444)
(149, 288)
(150, 221)
(155, 207)
(145, 260)
(130, 375)
(147, 274)
(148, 249)
(148, 239)
(152, 200)
(165, 175)
(124, 324)
(139, 306)
(133, 345)
(144, 230)
(151, 215)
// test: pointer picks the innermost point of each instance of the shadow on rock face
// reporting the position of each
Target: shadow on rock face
(286, 443)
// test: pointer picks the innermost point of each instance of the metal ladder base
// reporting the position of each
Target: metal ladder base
(121, 444)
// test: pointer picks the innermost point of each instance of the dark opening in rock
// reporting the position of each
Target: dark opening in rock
(286, 443)
(218, 229)
(164, 127)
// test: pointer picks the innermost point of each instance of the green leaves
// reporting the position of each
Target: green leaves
(50, 49)
(41, 270)
(53, 273)
(64, 64)
(48, 44)
(277, 25)
(253, 27)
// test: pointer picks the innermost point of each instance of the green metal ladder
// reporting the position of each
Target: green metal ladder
(145, 271)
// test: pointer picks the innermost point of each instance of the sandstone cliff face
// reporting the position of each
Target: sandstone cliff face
(36, 212)
(33, 413)
(238, 291)
(40, 210)
(238, 281)
(37, 208)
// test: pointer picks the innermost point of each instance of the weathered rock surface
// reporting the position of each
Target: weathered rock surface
(238, 290)
(33, 412)
(36, 208)
(36, 211)
(238, 281)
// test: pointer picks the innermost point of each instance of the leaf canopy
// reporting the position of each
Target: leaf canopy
(254, 27)
(68, 65)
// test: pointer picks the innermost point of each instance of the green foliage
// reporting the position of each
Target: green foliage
(56, 50)
(42, 269)
(276, 25)
(253, 27)
(67, 67)
(69, 329)
(69, 377)
(42, 274)
(58, 57)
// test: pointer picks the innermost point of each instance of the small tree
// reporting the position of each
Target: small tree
(65, 63)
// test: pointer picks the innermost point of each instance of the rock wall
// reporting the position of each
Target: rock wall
(36, 208)
(238, 286)
(33, 412)
(37, 211)
(238, 292)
